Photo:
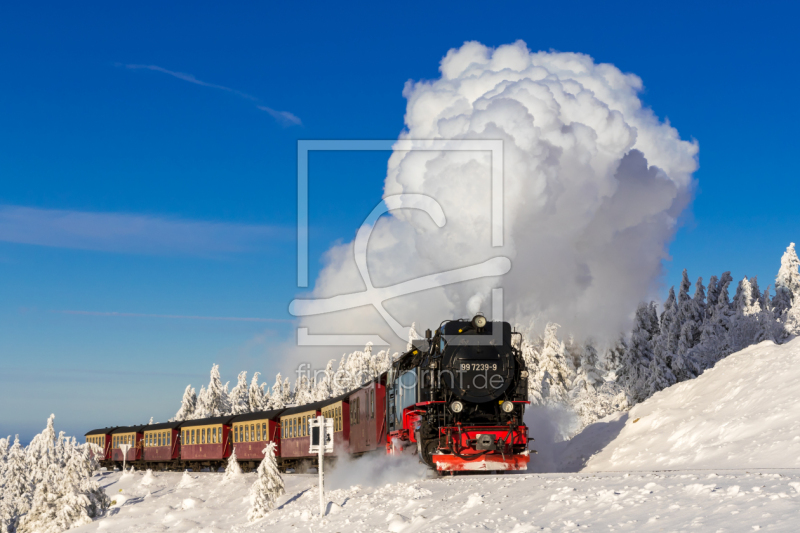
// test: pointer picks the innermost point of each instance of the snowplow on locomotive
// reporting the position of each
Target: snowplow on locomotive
(456, 399)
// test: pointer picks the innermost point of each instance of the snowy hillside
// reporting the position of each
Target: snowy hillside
(508, 503)
(742, 414)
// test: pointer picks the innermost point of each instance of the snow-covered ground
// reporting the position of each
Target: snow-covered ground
(700, 501)
(719, 453)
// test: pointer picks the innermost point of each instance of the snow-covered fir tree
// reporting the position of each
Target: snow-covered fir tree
(41, 452)
(257, 399)
(43, 514)
(232, 468)
(200, 410)
(4, 443)
(188, 405)
(635, 367)
(240, 396)
(303, 390)
(612, 359)
(787, 292)
(553, 374)
(324, 387)
(276, 400)
(286, 391)
(691, 314)
(268, 486)
(212, 401)
(17, 490)
(715, 338)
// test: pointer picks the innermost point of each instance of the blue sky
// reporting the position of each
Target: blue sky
(182, 120)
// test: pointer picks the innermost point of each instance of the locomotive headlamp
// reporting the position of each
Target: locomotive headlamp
(507, 407)
(456, 406)
(479, 321)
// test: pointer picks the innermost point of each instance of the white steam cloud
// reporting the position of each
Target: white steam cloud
(594, 186)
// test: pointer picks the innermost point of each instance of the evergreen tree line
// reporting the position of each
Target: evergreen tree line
(692, 331)
(354, 369)
(689, 335)
(47, 487)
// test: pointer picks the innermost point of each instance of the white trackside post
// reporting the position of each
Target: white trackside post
(321, 459)
(124, 448)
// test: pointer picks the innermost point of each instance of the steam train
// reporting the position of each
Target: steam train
(456, 399)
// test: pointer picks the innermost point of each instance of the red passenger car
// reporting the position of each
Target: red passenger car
(367, 417)
(252, 432)
(132, 436)
(206, 442)
(295, 433)
(161, 442)
(102, 438)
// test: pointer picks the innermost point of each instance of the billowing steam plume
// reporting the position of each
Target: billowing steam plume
(594, 185)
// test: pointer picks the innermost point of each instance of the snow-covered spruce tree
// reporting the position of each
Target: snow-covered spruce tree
(746, 329)
(302, 390)
(43, 514)
(212, 401)
(612, 359)
(341, 381)
(288, 397)
(635, 367)
(17, 490)
(80, 498)
(3, 457)
(553, 373)
(324, 387)
(240, 396)
(714, 339)
(588, 375)
(232, 468)
(257, 399)
(276, 398)
(268, 486)
(41, 452)
(201, 409)
(188, 405)
(225, 404)
(592, 397)
(691, 314)
(786, 302)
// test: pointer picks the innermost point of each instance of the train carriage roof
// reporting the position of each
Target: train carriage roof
(315, 406)
(163, 425)
(128, 429)
(225, 420)
(101, 431)
(274, 414)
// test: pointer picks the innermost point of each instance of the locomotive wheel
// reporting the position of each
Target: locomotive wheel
(426, 451)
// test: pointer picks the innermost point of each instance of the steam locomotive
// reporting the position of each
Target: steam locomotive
(459, 396)
(456, 399)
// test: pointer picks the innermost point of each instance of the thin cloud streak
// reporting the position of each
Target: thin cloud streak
(186, 317)
(283, 117)
(134, 234)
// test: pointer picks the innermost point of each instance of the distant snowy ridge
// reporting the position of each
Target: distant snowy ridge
(742, 414)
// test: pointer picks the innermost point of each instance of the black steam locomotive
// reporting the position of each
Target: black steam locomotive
(458, 398)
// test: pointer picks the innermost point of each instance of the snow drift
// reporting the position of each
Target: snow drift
(742, 414)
